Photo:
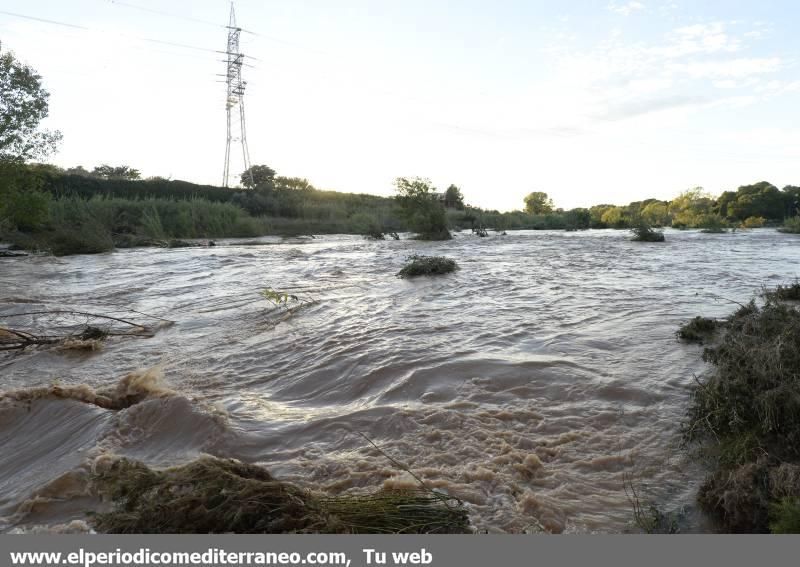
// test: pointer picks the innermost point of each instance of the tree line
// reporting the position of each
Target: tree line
(43, 205)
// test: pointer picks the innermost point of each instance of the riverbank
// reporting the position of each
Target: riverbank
(744, 416)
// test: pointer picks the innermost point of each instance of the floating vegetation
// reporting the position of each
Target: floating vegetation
(72, 330)
(279, 298)
(287, 304)
(746, 415)
(427, 266)
(698, 329)
(213, 495)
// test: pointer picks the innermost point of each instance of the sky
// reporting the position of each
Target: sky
(589, 101)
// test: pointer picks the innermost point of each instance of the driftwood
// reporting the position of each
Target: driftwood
(71, 329)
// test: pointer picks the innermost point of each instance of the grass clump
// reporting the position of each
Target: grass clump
(785, 516)
(427, 266)
(643, 232)
(746, 414)
(698, 329)
(213, 495)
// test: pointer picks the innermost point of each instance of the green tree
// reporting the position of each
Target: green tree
(690, 207)
(258, 177)
(614, 217)
(453, 198)
(656, 214)
(791, 200)
(423, 213)
(538, 203)
(116, 172)
(577, 219)
(758, 200)
(23, 105)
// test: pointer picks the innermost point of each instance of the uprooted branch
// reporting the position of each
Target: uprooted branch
(70, 329)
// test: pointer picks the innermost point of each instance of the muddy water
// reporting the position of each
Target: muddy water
(529, 383)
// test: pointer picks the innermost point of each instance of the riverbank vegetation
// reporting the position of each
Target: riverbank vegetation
(211, 495)
(745, 416)
(78, 211)
(698, 330)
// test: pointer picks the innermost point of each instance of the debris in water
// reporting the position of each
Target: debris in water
(211, 495)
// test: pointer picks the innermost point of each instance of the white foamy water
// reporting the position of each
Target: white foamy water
(529, 383)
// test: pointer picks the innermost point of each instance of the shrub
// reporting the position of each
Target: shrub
(643, 232)
(712, 224)
(427, 266)
(791, 225)
(368, 226)
(753, 222)
(698, 329)
(423, 213)
(789, 292)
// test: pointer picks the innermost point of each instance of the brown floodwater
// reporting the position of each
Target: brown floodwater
(530, 384)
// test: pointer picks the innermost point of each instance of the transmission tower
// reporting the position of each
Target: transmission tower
(235, 98)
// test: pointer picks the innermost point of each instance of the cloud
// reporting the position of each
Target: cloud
(626, 9)
(635, 108)
(739, 68)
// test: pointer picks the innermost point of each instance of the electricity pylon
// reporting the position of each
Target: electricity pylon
(235, 97)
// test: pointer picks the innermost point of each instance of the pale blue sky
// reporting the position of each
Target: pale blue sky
(589, 101)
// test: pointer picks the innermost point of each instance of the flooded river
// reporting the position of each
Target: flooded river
(530, 383)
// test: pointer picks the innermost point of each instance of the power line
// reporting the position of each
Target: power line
(129, 36)
(44, 20)
(170, 15)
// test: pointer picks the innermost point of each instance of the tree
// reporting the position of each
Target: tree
(453, 198)
(422, 212)
(79, 170)
(656, 213)
(538, 203)
(614, 217)
(758, 200)
(23, 105)
(116, 172)
(293, 183)
(791, 199)
(258, 177)
(688, 208)
(577, 219)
